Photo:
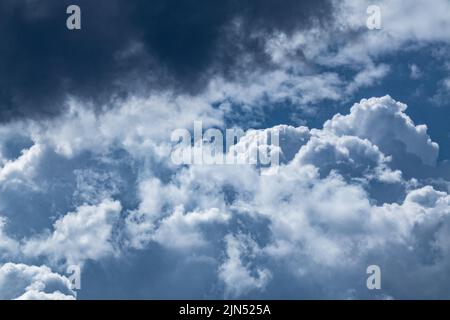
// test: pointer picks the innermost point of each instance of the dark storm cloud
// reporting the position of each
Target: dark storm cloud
(125, 46)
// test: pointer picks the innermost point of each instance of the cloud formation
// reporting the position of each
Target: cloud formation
(86, 176)
(80, 235)
(125, 48)
(24, 282)
(326, 211)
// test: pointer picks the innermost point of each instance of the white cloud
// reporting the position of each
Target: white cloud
(290, 141)
(256, 90)
(316, 220)
(316, 217)
(417, 22)
(235, 273)
(383, 122)
(177, 229)
(24, 282)
(349, 155)
(183, 230)
(318, 224)
(80, 235)
(22, 169)
(39, 295)
(347, 47)
(368, 77)
(151, 120)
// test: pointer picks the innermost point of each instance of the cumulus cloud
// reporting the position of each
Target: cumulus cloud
(290, 139)
(349, 155)
(162, 217)
(152, 120)
(25, 282)
(325, 212)
(383, 122)
(177, 229)
(182, 230)
(22, 169)
(318, 221)
(80, 235)
(85, 168)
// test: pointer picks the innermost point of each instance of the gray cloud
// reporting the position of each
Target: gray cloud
(126, 47)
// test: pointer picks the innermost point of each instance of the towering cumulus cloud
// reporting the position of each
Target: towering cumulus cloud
(338, 203)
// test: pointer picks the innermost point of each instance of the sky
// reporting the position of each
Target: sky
(88, 180)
